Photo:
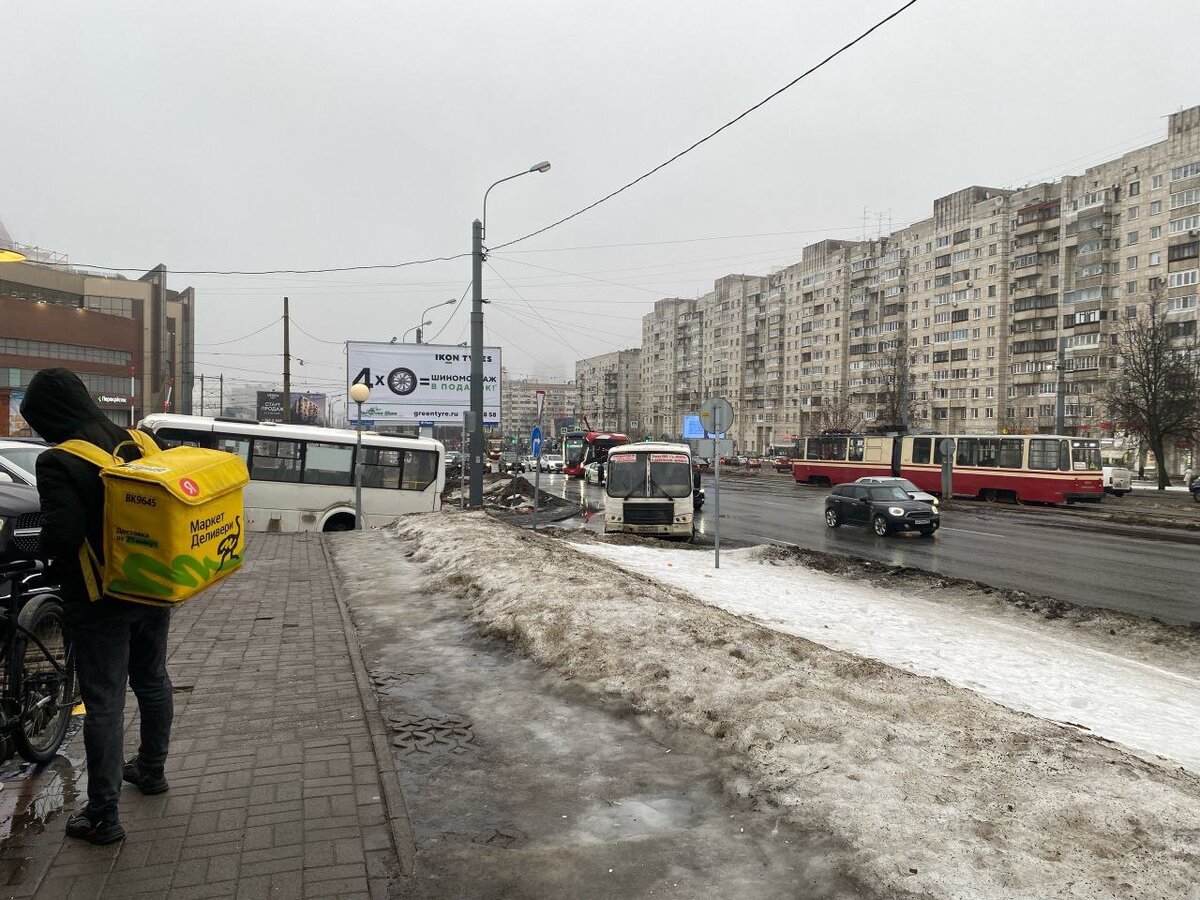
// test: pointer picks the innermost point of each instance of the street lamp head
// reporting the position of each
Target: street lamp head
(543, 166)
(359, 392)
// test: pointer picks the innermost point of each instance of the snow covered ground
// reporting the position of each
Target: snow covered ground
(925, 788)
(1021, 665)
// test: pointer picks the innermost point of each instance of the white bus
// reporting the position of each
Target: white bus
(650, 490)
(302, 477)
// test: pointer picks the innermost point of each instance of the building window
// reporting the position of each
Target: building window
(1131, 238)
(1155, 232)
(1135, 188)
(1131, 262)
(1156, 181)
(1155, 207)
(1155, 258)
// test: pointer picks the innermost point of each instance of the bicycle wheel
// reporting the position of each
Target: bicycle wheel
(43, 680)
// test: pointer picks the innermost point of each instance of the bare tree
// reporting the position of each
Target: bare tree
(838, 415)
(896, 405)
(1154, 393)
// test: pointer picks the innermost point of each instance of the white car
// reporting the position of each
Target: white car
(593, 473)
(904, 484)
(551, 462)
(18, 460)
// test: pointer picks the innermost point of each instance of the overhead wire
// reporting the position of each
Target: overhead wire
(454, 311)
(246, 272)
(242, 338)
(713, 134)
(531, 306)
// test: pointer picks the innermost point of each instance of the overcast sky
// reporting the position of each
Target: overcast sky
(281, 135)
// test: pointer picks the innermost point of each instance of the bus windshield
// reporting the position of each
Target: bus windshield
(649, 475)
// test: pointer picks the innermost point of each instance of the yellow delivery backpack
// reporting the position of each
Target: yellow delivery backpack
(173, 521)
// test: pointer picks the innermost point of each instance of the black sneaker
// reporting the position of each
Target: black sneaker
(146, 781)
(82, 827)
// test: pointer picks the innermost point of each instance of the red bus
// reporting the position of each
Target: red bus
(581, 448)
(1038, 468)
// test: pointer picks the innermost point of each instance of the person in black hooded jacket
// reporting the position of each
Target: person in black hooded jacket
(113, 639)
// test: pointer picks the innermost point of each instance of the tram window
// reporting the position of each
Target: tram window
(827, 448)
(920, 449)
(1010, 453)
(967, 452)
(1049, 455)
(856, 449)
(989, 452)
(938, 456)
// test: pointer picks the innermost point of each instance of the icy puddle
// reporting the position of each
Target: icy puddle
(1143, 707)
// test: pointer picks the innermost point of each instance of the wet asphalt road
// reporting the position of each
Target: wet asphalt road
(1059, 553)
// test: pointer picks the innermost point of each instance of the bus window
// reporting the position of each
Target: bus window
(1011, 453)
(238, 446)
(967, 452)
(856, 449)
(920, 449)
(1048, 455)
(275, 461)
(420, 469)
(178, 437)
(381, 468)
(328, 463)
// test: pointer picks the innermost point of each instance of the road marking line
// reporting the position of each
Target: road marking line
(969, 531)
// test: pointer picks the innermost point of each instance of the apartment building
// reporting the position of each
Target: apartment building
(970, 320)
(609, 392)
(129, 340)
(518, 405)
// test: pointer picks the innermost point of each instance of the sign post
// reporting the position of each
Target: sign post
(716, 415)
(535, 444)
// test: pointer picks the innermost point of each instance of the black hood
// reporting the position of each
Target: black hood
(57, 405)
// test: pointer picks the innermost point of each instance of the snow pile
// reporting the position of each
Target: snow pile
(1021, 665)
(934, 790)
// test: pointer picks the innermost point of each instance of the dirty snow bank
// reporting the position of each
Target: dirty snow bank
(938, 791)
(1023, 666)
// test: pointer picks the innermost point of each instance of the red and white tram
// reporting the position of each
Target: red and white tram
(1039, 468)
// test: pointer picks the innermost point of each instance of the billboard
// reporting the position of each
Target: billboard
(413, 383)
(306, 408)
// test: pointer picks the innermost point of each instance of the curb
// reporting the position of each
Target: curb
(389, 781)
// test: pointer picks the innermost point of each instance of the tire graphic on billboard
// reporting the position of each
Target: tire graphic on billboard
(402, 381)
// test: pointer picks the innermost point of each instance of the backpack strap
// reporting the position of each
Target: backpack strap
(89, 452)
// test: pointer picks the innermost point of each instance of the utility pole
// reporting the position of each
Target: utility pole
(201, 393)
(476, 498)
(221, 396)
(287, 366)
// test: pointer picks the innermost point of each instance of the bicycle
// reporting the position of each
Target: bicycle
(36, 663)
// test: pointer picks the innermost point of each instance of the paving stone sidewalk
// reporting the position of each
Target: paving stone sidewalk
(275, 768)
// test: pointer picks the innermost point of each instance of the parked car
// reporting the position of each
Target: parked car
(909, 488)
(18, 459)
(1118, 480)
(527, 463)
(551, 462)
(884, 507)
(593, 473)
(20, 521)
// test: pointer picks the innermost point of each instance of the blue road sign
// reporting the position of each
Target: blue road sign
(535, 442)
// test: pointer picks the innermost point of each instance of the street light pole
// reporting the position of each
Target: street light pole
(449, 302)
(359, 393)
(477, 257)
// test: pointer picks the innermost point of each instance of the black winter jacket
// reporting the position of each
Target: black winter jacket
(58, 407)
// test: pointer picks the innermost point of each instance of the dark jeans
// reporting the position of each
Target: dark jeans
(115, 639)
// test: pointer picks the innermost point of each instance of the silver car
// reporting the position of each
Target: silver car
(904, 484)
